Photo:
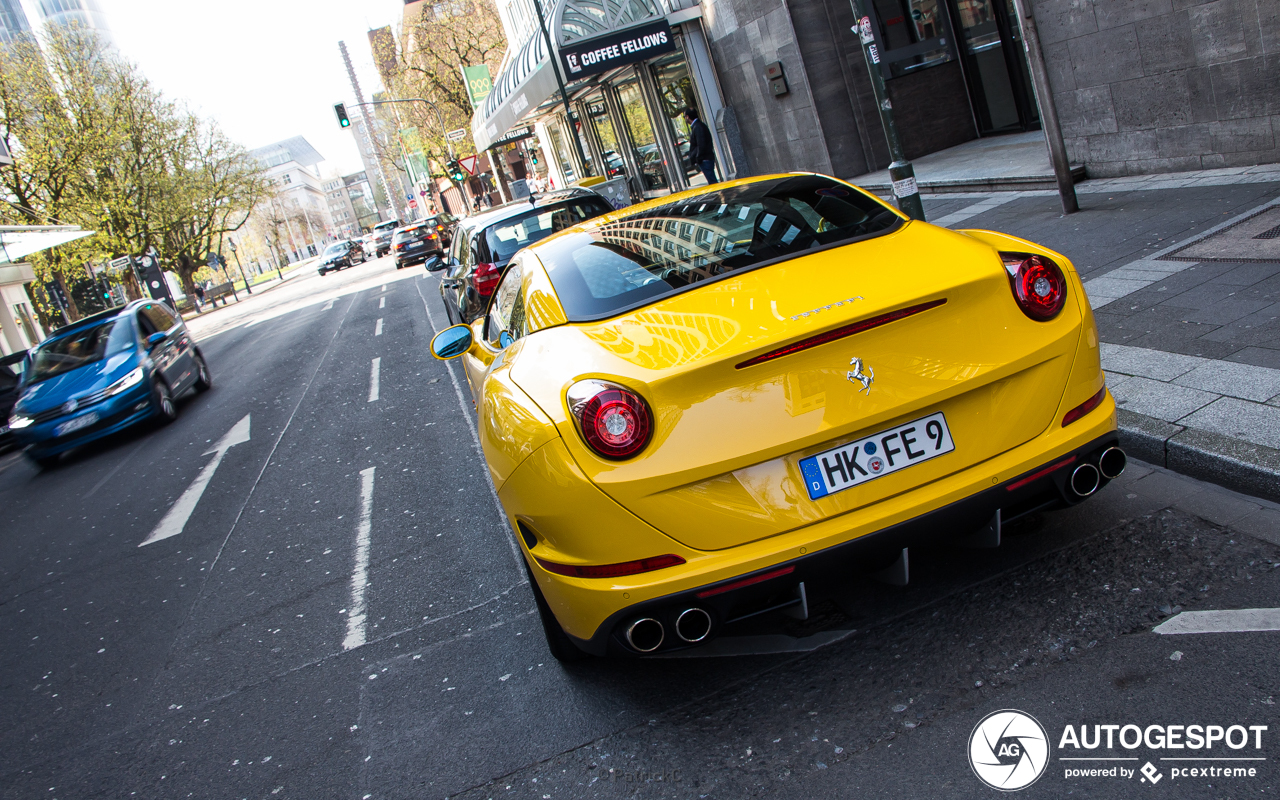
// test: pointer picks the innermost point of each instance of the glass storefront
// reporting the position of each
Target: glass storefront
(606, 138)
(644, 143)
(676, 93)
(561, 149)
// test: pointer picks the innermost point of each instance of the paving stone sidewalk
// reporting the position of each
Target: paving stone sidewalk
(1191, 348)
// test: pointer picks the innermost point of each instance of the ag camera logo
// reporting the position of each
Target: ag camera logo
(1008, 750)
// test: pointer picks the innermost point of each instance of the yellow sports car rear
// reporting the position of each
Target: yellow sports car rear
(732, 400)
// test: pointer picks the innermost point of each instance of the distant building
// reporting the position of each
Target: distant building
(68, 13)
(299, 195)
(13, 21)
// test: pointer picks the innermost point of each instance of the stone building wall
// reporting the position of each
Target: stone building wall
(1145, 86)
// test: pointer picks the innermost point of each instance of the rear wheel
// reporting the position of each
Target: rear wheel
(204, 380)
(46, 463)
(558, 642)
(162, 402)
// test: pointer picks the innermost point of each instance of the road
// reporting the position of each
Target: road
(343, 612)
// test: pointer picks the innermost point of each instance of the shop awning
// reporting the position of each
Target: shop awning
(17, 241)
(529, 79)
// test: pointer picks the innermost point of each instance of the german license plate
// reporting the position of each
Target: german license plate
(76, 424)
(877, 455)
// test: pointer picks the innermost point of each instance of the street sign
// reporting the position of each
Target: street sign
(413, 204)
(455, 136)
(469, 164)
(120, 263)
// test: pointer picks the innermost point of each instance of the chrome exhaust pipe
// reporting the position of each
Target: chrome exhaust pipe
(645, 635)
(693, 625)
(1112, 462)
(1085, 480)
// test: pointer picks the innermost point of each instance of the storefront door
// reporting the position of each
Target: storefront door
(605, 136)
(995, 66)
(643, 141)
(675, 93)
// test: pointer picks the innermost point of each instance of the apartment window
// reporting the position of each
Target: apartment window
(286, 179)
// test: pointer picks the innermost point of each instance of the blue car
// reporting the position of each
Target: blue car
(101, 375)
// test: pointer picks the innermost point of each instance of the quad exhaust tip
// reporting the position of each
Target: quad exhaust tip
(1085, 480)
(646, 634)
(1112, 462)
(693, 625)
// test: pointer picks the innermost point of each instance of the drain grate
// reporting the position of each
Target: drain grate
(1253, 239)
(1274, 233)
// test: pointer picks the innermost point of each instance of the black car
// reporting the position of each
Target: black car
(483, 244)
(382, 233)
(343, 253)
(414, 243)
(10, 369)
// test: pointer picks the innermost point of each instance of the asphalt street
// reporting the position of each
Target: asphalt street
(344, 613)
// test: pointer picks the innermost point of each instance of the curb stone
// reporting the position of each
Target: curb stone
(1237, 465)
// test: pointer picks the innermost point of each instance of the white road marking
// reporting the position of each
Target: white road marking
(1245, 620)
(382, 302)
(377, 329)
(356, 622)
(328, 305)
(373, 379)
(180, 512)
(384, 287)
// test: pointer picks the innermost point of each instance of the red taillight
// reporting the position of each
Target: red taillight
(484, 278)
(401, 246)
(611, 570)
(1038, 285)
(1084, 408)
(615, 422)
(1013, 487)
(841, 332)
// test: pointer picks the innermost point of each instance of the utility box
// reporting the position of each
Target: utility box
(777, 79)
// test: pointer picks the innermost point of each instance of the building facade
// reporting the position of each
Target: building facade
(1139, 87)
(298, 200)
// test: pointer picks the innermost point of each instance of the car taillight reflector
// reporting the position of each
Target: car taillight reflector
(611, 570)
(614, 421)
(401, 246)
(1084, 408)
(1038, 285)
(484, 278)
(841, 332)
(729, 587)
(1038, 475)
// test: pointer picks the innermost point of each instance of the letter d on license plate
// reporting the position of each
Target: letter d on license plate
(877, 455)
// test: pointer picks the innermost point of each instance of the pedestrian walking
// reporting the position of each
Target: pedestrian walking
(199, 298)
(702, 150)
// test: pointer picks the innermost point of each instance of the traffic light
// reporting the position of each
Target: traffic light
(341, 110)
(533, 156)
(456, 173)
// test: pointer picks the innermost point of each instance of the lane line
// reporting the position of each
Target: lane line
(384, 287)
(1245, 620)
(357, 623)
(174, 521)
(475, 440)
(373, 379)
(377, 329)
(382, 302)
(328, 305)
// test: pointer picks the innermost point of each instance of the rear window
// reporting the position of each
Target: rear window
(78, 348)
(383, 227)
(335, 249)
(633, 261)
(504, 239)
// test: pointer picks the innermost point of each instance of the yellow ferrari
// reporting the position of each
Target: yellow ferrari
(739, 398)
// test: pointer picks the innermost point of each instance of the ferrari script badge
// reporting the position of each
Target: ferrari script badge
(857, 375)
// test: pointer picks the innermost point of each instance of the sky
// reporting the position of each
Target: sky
(264, 70)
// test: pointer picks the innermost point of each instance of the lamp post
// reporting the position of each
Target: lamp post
(275, 257)
(232, 243)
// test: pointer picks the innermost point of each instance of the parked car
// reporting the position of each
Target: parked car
(735, 401)
(342, 253)
(10, 367)
(382, 233)
(414, 243)
(483, 244)
(102, 374)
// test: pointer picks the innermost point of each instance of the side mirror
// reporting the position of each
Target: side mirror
(433, 263)
(451, 342)
(154, 339)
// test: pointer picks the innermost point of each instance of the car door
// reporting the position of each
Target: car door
(173, 355)
(454, 275)
(496, 331)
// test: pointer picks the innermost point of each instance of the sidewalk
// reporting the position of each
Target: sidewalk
(1183, 272)
(292, 271)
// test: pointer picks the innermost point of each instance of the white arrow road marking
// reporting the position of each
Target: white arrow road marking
(1244, 620)
(180, 512)
(356, 623)
(327, 305)
(373, 379)
(377, 329)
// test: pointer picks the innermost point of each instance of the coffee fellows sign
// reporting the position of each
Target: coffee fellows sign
(603, 53)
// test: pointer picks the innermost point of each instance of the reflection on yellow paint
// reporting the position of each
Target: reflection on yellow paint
(944, 371)
(656, 340)
(805, 392)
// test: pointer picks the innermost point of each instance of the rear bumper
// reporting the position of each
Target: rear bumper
(777, 586)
